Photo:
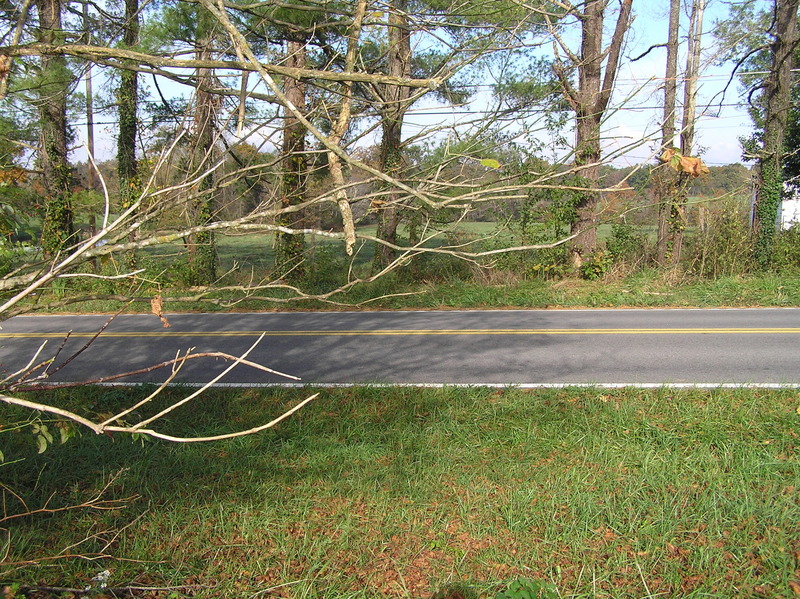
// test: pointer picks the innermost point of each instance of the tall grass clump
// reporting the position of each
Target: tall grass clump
(724, 246)
(786, 251)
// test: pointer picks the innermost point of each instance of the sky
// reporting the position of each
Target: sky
(721, 121)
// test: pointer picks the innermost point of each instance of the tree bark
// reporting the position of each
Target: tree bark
(666, 184)
(589, 101)
(202, 246)
(127, 107)
(58, 230)
(777, 93)
(395, 104)
(290, 247)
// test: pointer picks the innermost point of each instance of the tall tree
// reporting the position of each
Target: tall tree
(202, 245)
(392, 111)
(677, 211)
(589, 99)
(777, 94)
(666, 184)
(58, 230)
(87, 29)
(127, 108)
(290, 246)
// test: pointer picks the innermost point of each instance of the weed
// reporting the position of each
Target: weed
(786, 252)
(625, 244)
(597, 265)
(724, 246)
(528, 589)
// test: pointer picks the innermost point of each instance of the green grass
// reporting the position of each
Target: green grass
(399, 492)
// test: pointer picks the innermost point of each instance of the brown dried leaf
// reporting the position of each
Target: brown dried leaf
(795, 586)
(693, 166)
(668, 154)
(762, 589)
(688, 164)
(5, 67)
(157, 307)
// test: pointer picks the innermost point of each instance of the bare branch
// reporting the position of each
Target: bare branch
(124, 57)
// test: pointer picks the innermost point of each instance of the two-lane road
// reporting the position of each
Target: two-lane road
(515, 347)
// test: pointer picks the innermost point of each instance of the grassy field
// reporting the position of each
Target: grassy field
(405, 492)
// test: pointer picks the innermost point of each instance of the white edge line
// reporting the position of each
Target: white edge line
(471, 385)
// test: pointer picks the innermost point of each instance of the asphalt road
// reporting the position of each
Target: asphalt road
(526, 347)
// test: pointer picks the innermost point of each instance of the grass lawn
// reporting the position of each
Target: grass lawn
(401, 492)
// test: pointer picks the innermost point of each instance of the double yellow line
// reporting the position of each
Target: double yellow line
(419, 332)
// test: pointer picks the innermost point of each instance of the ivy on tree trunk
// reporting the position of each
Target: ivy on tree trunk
(290, 247)
(127, 103)
(58, 231)
(777, 93)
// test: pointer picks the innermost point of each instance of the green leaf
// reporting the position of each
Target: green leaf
(490, 163)
(41, 442)
(65, 430)
(2, 457)
(43, 430)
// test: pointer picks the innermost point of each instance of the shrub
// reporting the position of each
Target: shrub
(10, 255)
(597, 265)
(625, 244)
(724, 247)
(786, 251)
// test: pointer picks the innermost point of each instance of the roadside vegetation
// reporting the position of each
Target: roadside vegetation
(397, 492)
(717, 272)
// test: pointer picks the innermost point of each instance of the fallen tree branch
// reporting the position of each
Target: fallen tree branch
(27, 386)
(176, 363)
(126, 56)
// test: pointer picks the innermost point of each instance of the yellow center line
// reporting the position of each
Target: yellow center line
(419, 332)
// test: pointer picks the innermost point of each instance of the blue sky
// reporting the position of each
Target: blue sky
(721, 121)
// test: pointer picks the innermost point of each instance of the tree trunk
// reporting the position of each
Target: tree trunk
(777, 92)
(202, 247)
(89, 103)
(127, 106)
(290, 247)
(677, 217)
(58, 228)
(590, 101)
(666, 183)
(395, 104)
